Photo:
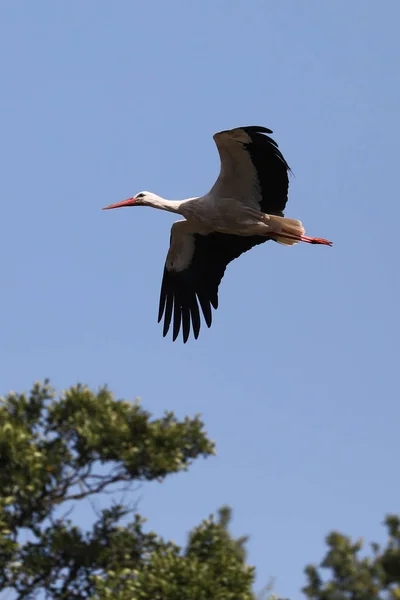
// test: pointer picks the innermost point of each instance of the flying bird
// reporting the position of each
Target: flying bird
(244, 208)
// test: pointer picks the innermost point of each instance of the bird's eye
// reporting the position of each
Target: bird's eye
(140, 195)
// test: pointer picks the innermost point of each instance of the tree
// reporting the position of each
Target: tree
(58, 451)
(355, 577)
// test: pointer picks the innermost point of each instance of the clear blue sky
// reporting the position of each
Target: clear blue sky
(297, 380)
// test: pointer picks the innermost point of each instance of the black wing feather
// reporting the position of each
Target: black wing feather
(183, 291)
(168, 311)
(186, 307)
(195, 314)
(272, 170)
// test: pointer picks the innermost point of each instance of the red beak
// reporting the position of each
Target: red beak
(128, 202)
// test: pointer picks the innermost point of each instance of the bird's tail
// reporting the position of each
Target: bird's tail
(291, 231)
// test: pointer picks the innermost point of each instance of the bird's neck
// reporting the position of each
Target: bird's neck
(163, 204)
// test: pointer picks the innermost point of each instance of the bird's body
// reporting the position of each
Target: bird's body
(244, 208)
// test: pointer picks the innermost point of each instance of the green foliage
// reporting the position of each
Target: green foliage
(211, 567)
(355, 577)
(54, 452)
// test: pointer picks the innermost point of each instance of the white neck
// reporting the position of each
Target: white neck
(161, 203)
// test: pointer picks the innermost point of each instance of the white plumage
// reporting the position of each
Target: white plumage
(244, 208)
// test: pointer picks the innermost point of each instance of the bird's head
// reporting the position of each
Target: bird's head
(138, 200)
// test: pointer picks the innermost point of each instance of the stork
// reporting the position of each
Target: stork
(244, 208)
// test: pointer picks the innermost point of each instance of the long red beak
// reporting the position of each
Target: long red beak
(128, 202)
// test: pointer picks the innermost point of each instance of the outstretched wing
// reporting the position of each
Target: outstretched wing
(193, 271)
(252, 169)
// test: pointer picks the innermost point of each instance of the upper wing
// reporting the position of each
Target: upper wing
(193, 270)
(252, 168)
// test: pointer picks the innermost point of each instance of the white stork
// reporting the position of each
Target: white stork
(244, 208)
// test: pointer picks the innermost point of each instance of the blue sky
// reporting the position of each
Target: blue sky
(297, 378)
